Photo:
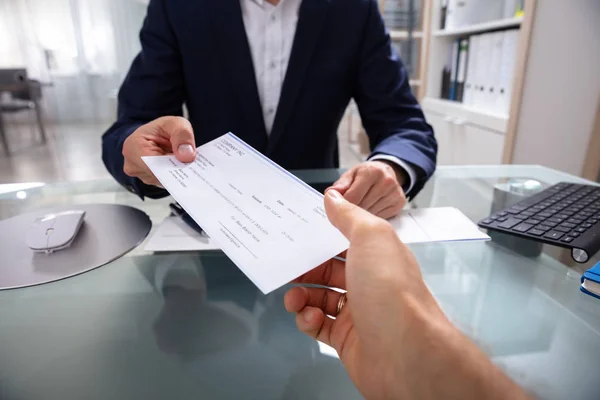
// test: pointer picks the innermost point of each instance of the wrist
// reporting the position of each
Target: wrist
(437, 361)
(401, 176)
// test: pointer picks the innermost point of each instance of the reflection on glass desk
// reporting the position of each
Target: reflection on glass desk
(191, 326)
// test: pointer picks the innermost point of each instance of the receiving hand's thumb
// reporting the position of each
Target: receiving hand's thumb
(345, 216)
(182, 140)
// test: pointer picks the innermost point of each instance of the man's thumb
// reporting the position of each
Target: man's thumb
(182, 140)
(344, 215)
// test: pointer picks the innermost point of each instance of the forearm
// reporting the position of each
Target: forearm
(435, 360)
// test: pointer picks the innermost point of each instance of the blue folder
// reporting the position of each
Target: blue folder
(592, 274)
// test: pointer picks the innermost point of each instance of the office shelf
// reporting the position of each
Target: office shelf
(479, 28)
(400, 34)
(461, 114)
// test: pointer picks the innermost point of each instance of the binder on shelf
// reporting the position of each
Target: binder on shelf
(457, 13)
(443, 10)
(447, 75)
(463, 54)
(471, 70)
(454, 70)
(507, 70)
(493, 82)
(483, 66)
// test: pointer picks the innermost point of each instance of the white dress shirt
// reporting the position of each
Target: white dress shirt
(271, 30)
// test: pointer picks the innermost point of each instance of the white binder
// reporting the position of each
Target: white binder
(456, 14)
(493, 82)
(483, 66)
(507, 70)
(470, 86)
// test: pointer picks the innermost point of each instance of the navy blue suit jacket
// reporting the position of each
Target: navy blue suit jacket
(196, 53)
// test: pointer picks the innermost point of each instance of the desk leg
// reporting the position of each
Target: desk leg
(3, 135)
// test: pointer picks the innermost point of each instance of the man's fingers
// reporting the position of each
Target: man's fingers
(363, 182)
(181, 136)
(345, 216)
(299, 297)
(313, 322)
(331, 273)
(150, 180)
(389, 212)
(345, 181)
(388, 204)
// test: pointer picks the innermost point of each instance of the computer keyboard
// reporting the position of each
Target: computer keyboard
(566, 215)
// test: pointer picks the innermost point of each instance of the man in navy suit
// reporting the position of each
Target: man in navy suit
(279, 74)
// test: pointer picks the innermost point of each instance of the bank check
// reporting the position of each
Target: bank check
(271, 224)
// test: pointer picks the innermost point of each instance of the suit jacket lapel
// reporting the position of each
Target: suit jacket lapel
(235, 51)
(312, 18)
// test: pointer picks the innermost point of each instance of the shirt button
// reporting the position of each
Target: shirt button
(273, 18)
(270, 111)
(272, 65)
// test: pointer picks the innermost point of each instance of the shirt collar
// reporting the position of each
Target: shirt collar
(262, 2)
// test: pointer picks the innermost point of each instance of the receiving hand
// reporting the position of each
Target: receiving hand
(166, 135)
(379, 271)
(391, 335)
(375, 186)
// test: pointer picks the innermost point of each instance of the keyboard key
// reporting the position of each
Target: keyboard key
(557, 220)
(502, 214)
(567, 239)
(568, 225)
(562, 215)
(580, 230)
(536, 232)
(587, 225)
(520, 216)
(555, 235)
(519, 207)
(545, 214)
(593, 221)
(523, 227)
(562, 229)
(550, 224)
(534, 221)
(501, 219)
(527, 214)
(574, 234)
(509, 223)
(511, 211)
(576, 221)
(542, 228)
(488, 221)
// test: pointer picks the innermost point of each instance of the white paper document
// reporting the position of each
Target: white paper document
(444, 224)
(175, 235)
(425, 225)
(268, 222)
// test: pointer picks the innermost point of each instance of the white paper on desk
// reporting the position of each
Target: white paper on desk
(173, 234)
(269, 223)
(444, 224)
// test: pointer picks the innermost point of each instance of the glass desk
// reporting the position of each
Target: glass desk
(190, 325)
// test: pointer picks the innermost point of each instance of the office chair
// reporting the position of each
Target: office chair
(25, 95)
